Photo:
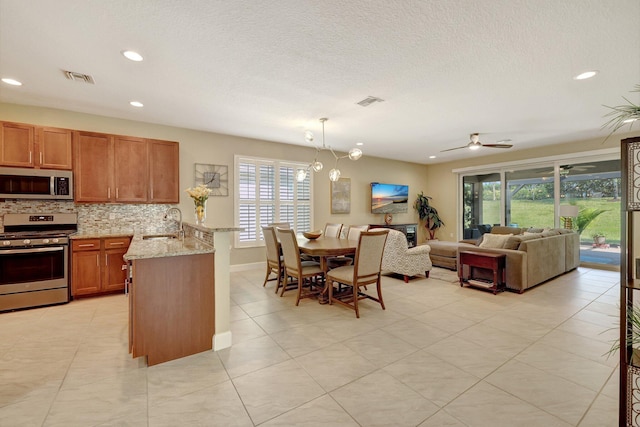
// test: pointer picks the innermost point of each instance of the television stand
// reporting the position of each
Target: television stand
(409, 230)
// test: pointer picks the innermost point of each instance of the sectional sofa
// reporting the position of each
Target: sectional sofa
(533, 256)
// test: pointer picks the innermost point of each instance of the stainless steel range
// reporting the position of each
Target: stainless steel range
(34, 259)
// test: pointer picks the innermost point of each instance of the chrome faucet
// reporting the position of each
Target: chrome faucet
(166, 216)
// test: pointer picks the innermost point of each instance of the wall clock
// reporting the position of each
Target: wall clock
(215, 177)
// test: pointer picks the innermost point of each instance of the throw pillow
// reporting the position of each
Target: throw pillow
(494, 241)
(513, 242)
(534, 230)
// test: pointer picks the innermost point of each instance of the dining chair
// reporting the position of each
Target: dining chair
(332, 230)
(352, 234)
(280, 225)
(309, 274)
(274, 259)
(355, 230)
(364, 271)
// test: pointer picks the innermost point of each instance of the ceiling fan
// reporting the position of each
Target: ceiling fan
(475, 143)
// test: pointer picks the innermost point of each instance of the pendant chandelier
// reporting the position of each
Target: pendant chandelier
(316, 165)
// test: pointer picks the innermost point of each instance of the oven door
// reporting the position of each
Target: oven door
(32, 269)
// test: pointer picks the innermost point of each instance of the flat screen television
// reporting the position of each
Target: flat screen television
(389, 198)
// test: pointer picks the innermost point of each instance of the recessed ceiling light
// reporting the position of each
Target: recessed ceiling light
(134, 56)
(432, 157)
(360, 143)
(12, 82)
(585, 75)
(137, 104)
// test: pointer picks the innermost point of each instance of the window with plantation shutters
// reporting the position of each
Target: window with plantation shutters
(268, 192)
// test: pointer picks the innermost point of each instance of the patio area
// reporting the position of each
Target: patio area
(608, 255)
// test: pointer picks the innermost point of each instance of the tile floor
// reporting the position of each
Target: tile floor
(438, 356)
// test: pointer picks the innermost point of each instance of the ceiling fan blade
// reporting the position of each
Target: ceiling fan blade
(497, 145)
(451, 149)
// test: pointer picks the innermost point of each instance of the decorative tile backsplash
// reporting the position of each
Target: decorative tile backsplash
(92, 218)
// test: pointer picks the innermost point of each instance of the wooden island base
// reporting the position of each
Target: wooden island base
(171, 307)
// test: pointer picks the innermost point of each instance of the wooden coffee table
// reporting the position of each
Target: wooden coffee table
(483, 260)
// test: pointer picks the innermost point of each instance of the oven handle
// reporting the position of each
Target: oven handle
(31, 251)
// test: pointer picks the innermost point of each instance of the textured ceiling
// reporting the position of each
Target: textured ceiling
(271, 69)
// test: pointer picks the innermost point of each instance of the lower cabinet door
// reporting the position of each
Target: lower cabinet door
(85, 276)
(115, 270)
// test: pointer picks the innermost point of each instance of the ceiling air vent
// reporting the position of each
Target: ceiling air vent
(79, 77)
(369, 100)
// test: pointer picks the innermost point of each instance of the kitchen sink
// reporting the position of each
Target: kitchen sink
(159, 236)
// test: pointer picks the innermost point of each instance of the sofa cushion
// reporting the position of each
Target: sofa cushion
(499, 229)
(494, 241)
(534, 230)
(535, 235)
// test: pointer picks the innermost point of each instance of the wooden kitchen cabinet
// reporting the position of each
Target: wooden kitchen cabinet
(123, 169)
(131, 169)
(92, 166)
(29, 146)
(85, 267)
(97, 265)
(115, 269)
(17, 144)
(54, 148)
(164, 171)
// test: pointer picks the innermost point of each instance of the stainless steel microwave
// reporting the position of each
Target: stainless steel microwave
(18, 183)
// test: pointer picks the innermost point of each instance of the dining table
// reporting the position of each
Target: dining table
(326, 247)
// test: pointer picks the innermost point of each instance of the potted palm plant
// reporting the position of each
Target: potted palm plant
(428, 214)
(599, 238)
(621, 115)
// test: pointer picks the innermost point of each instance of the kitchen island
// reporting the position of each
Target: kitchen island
(171, 297)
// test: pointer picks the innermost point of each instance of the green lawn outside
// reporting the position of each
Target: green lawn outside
(539, 213)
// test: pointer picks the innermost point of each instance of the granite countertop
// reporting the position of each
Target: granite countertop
(110, 232)
(160, 248)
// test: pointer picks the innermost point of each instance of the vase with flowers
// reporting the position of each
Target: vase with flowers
(200, 194)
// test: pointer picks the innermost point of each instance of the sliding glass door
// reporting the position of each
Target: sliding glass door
(530, 198)
(481, 204)
(582, 195)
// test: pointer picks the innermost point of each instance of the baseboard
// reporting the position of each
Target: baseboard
(222, 341)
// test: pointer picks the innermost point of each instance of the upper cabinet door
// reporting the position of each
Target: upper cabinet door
(164, 176)
(54, 148)
(17, 144)
(93, 166)
(131, 171)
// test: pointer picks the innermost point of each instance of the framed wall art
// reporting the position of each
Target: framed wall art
(341, 196)
(215, 177)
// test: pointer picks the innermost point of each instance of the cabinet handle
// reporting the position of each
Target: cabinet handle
(116, 243)
(108, 192)
(116, 192)
(106, 259)
(86, 245)
(98, 260)
(41, 158)
(30, 156)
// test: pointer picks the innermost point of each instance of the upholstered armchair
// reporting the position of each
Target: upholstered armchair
(400, 259)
